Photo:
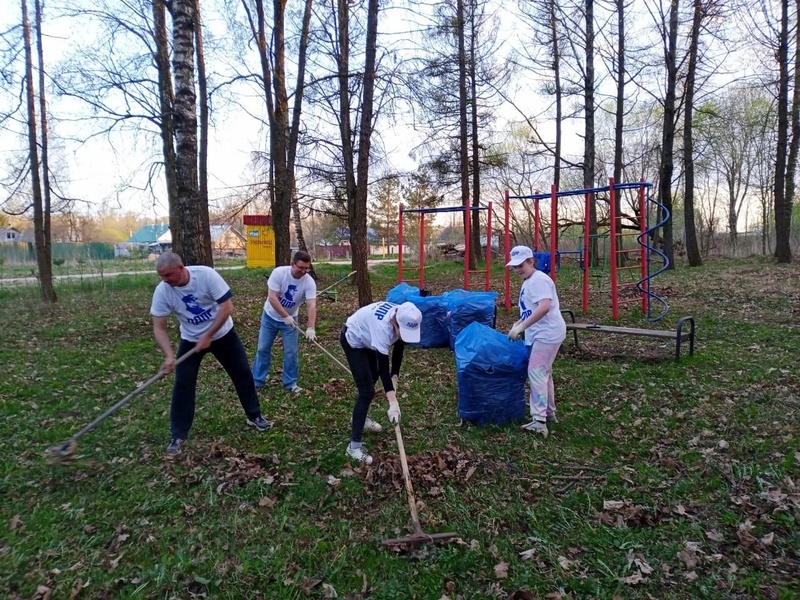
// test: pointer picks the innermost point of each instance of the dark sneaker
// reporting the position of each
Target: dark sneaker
(175, 446)
(259, 423)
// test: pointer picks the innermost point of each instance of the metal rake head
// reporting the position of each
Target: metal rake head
(63, 454)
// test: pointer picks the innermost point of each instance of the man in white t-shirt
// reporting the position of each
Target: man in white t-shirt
(201, 300)
(288, 287)
(544, 328)
(366, 338)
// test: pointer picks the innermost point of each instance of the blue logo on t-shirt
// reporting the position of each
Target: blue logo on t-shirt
(524, 311)
(288, 297)
(193, 307)
(191, 304)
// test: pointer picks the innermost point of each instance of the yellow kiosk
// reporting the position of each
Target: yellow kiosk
(260, 241)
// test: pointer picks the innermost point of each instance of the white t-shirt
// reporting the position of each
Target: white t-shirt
(291, 292)
(371, 327)
(195, 304)
(551, 328)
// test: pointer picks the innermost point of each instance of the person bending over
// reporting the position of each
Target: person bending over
(201, 300)
(367, 337)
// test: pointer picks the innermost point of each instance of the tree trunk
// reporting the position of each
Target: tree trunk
(668, 133)
(203, 89)
(462, 121)
(358, 226)
(258, 31)
(557, 82)
(298, 227)
(279, 130)
(295, 130)
(193, 241)
(619, 122)
(166, 99)
(44, 255)
(783, 250)
(782, 220)
(41, 242)
(475, 229)
(345, 133)
(589, 134)
(692, 251)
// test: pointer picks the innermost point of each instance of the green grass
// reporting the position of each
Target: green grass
(661, 480)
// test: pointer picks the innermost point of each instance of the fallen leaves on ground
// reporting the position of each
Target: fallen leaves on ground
(428, 471)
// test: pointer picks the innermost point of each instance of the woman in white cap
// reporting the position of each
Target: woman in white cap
(544, 328)
(366, 337)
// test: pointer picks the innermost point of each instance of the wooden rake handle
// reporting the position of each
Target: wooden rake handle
(412, 502)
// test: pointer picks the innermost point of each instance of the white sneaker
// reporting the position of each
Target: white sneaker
(360, 454)
(536, 427)
(552, 419)
(295, 389)
(372, 426)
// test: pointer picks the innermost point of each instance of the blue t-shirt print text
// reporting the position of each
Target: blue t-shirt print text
(524, 311)
(287, 301)
(201, 314)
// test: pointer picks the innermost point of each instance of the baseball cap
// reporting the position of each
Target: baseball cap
(409, 318)
(519, 254)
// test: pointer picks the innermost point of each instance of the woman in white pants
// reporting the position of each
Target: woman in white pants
(544, 328)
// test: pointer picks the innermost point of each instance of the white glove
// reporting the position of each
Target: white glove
(516, 331)
(393, 413)
(289, 321)
(311, 335)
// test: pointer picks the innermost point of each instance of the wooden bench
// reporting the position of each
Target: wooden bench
(677, 334)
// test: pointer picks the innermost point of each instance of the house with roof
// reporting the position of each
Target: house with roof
(139, 242)
(9, 235)
(149, 233)
(226, 241)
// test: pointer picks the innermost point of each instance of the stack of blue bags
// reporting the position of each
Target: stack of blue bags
(491, 370)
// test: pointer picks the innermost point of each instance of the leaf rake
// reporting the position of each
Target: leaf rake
(64, 453)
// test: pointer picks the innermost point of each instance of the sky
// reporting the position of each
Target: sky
(116, 174)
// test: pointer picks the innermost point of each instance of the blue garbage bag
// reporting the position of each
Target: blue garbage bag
(491, 373)
(401, 293)
(433, 329)
(543, 261)
(465, 307)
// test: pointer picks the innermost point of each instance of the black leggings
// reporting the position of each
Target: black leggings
(364, 368)
(230, 353)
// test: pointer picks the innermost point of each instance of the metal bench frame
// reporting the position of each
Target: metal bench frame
(677, 334)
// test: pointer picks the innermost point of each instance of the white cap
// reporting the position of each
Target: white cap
(409, 318)
(519, 254)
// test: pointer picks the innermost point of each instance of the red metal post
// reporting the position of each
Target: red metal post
(553, 230)
(586, 240)
(507, 251)
(612, 201)
(400, 248)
